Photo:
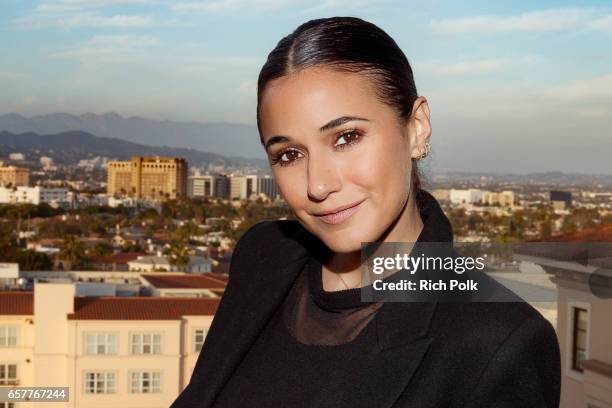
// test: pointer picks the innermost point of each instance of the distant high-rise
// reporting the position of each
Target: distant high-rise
(561, 199)
(267, 185)
(151, 178)
(243, 186)
(15, 176)
(200, 186)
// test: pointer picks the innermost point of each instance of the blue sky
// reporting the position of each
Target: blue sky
(532, 75)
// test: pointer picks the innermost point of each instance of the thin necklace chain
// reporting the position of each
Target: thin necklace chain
(340, 276)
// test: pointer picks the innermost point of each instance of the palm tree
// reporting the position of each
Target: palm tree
(72, 251)
(178, 254)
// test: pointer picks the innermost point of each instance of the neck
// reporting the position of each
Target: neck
(344, 269)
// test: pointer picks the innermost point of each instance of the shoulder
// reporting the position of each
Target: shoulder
(517, 354)
(266, 241)
(267, 234)
(501, 350)
(482, 323)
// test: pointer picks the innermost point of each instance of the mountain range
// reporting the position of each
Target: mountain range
(70, 147)
(228, 139)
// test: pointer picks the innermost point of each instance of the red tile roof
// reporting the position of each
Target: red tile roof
(141, 308)
(223, 276)
(174, 281)
(16, 303)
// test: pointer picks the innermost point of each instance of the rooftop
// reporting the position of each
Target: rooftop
(16, 303)
(174, 281)
(141, 308)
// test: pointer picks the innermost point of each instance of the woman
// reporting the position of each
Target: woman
(342, 124)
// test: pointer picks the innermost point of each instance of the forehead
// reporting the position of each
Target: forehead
(309, 98)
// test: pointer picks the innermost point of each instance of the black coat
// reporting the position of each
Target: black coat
(432, 354)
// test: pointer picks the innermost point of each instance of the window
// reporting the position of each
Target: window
(100, 343)
(99, 382)
(579, 337)
(8, 336)
(146, 343)
(7, 405)
(145, 382)
(8, 374)
(198, 339)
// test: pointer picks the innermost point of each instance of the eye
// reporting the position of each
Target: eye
(347, 138)
(286, 157)
(344, 139)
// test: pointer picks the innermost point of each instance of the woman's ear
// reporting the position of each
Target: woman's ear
(419, 127)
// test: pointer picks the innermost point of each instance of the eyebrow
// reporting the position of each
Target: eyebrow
(329, 125)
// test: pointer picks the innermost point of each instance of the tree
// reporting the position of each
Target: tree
(72, 251)
(30, 260)
(178, 254)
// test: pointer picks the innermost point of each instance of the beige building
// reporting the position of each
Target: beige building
(243, 186)
(584, 308)
(151, 178)
(15, 176)
(109, 351)
(504, 198)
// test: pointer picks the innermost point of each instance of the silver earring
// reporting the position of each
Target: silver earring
(427, 151)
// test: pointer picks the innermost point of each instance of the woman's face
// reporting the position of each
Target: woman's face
(340, 157)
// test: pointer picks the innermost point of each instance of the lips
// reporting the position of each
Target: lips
(339, 214)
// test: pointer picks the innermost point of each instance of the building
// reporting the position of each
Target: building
(109, 351)
(503, 199)
(152, 263)
(35, 195)
(178, 285)
(200, 186)
(222, 186)
(561, 199)
(14, 176)
(242, 187)
(150, 178)
(17, 156)
(469, 196)
(267, 185)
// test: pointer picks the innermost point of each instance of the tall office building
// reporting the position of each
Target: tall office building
(243, 186)
(200, 186)
(15, 176)
(267, 185)
(561, 199)
(152, 178)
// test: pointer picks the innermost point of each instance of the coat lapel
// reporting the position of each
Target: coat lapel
(401, 331)
(246, 310)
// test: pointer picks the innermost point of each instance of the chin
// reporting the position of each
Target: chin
(347, 240)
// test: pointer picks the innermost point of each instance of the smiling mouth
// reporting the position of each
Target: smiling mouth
(339, 216)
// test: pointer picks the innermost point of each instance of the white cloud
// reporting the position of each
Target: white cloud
(446, 68)
(123, 41)
(604, 23)
(587, 91)
(67, 14)
(552, 20)
(227, 5)
(12, 76)
(587, 98)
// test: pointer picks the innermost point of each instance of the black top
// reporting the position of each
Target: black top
(316, 339)
(411, 354)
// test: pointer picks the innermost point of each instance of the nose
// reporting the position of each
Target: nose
(323, 177)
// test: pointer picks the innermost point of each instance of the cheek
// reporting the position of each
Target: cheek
(292, 186)
(383, 170)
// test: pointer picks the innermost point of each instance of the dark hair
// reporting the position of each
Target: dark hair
(346, 44)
